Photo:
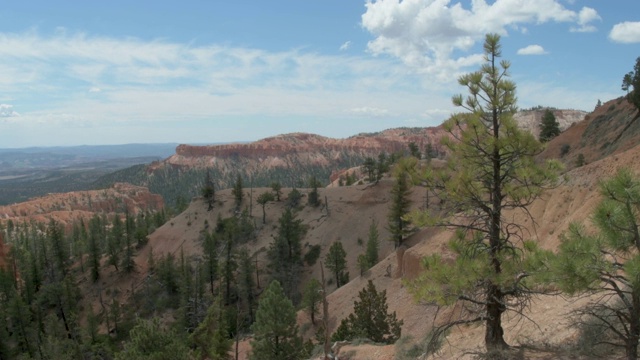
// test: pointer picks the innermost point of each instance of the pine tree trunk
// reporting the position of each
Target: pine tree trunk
(494, 334)
(631, 343)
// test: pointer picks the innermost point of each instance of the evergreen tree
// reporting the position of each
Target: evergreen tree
(549, 126)
(211, 338)
(373, 244)
(149, 341)
(370, 319)
(209, 191)
(277, 190)
(94, 248)
(414, 150)
(285, 253)
(293, 198)
(237, 191)
(491, 169)
(311, 299)
(275, 330)
(632, 80)
(400, 203)
(246, 283)
(369, 167)
(263, 199)
(607, 263)
(314, 196)
(336, 262)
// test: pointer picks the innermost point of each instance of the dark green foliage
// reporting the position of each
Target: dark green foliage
(209, 191)
(369, 167)
(285, 253)
(314, 196)
(632, 80)
(580, 160)
(400, 204)
(336, 262)
(149, 341)
(237, 191)
(94, 247)
(564, 149)
(607, 262)
(277, 189)
(373, 244)
(549, 126)
(211, 338)
(311, 299)
(370, 319)
(312, 255)
(414, 150)
(293, 198)
(275, 330)
(246, 283)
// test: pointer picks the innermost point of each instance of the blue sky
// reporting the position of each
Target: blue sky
(80, 72)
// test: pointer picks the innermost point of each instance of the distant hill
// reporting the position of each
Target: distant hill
(31, 172)
(289, 158)
(612, 128)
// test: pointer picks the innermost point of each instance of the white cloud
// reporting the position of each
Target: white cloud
(345, 46)
(532, 50)
(369, 111)
(425, 34)
(95, 89)
(585, 17)
(6, 111)
(626, 32)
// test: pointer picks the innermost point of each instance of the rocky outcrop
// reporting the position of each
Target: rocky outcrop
(285, 150)
(68, 207)
(530, 119)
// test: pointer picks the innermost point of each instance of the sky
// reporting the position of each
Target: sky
(209, 71)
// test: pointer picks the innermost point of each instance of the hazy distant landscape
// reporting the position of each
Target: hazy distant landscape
(30, 172)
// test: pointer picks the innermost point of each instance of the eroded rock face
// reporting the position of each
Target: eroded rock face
(68, 207)
(530, 119)
(288, 149)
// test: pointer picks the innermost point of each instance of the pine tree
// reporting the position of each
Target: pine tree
(398, 225)
(277, 190)
(491, 169)
(314, 196)
(285, 253)
(275, 330)
(608, 263)
(209, 191)
(549, 126)
(369, 167)
(211, 337)
(311, 299)
(373, 244)
(149, 341)
(370, 319)
(336, 262)
(238, 192)
(246, 283)
(632, 80)
(263, 199)
(94, 248)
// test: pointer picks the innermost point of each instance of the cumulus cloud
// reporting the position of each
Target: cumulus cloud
(345, 46)
(585, 17)
(532, 50)
(6, 111)
(369, 111)
(426, 34)
(626, 32)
